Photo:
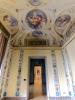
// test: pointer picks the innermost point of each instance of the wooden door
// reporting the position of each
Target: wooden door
(37, 80)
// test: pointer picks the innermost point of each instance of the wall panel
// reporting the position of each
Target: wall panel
(24, 82)
(70, 55)
(13, 75)
(61, 73)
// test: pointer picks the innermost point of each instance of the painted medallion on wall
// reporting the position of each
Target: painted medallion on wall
(61, 21)
(11, 22)
(37, 33)
(36, 19)
(35, 2)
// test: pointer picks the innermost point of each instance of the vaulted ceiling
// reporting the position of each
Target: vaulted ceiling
(53, 20)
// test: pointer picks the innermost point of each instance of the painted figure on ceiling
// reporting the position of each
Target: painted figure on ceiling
(10, 20)
(61, 21)
(36, 19)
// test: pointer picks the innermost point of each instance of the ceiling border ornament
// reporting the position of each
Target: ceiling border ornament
(61, 23)
(62, 20)
(35, 2)
(9, 21)
(70, 31)
(37, 33)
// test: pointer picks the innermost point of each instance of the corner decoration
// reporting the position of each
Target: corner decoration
(37, 34)
(11, 22)
(60, 24)
(36, 19)
(62, 20)
(35, 2)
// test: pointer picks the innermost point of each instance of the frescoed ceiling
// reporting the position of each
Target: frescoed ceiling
(52, 20)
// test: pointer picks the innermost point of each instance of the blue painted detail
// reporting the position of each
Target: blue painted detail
(74, 94)
(55, 72)
(19, 73)
(11, 20)
(5, 93)
(17, 93)
(57, 94)
(36, 19)
(70, 93)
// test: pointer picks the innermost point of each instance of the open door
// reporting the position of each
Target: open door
(37, 81)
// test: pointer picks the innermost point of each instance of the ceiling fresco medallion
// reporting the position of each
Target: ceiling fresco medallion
(11, 22)
(61, 21)
(36, 19)
(37, 33)
(35, 2)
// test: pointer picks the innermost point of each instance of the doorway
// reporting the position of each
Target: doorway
(37, 77)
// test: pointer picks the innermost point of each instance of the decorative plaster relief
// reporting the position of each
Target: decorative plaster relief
(70, 31)
(11, 22)
(61, 24)
(35, 2)
(61, 21)
(37, 33)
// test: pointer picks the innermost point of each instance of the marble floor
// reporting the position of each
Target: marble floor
(39, 98)
(53, 98)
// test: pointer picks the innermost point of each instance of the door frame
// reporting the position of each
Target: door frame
(46, 71)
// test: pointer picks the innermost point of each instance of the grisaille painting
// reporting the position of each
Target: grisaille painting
(61, 21)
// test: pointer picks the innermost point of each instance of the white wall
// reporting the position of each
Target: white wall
(69, 53)
(13, 75)
(61, 73)
(36, 52)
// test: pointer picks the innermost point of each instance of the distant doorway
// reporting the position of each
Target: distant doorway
(37, 78)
